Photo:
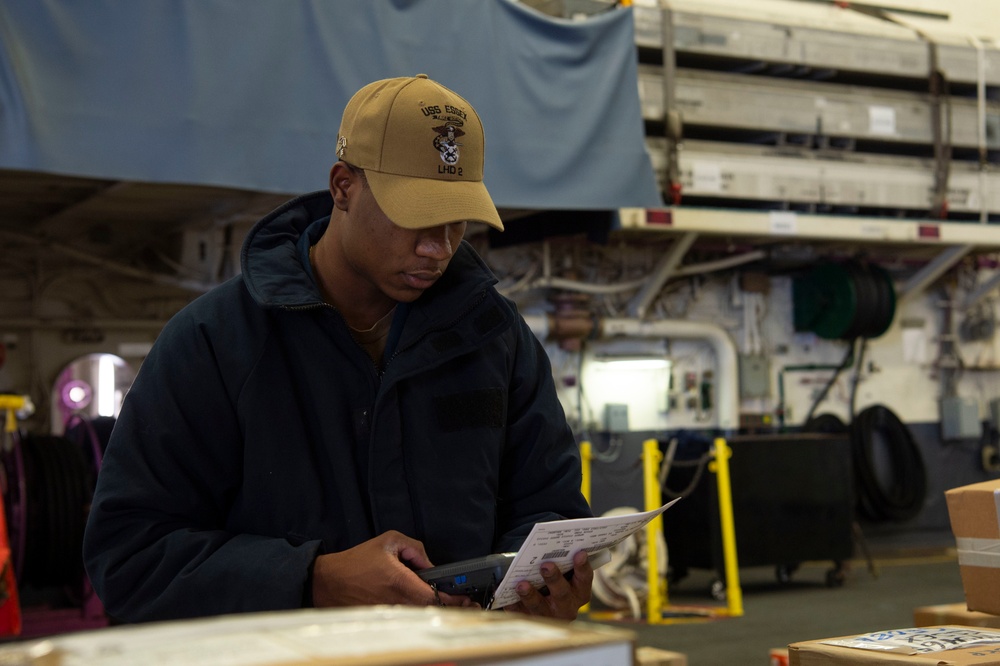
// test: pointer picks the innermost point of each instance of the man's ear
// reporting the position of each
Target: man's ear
(342, 181)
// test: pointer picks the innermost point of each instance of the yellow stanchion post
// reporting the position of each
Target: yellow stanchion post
(656, 587)
(586, 456)
(12, 403)
(734, 594)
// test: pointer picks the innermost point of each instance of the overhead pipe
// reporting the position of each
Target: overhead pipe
(666, 269)
(549, 282)
(42, 323)
(554, 327)
(107, 264)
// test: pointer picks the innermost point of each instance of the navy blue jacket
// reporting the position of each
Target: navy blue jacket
(258, 435)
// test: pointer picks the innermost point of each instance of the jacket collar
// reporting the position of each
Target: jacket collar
(275, 272)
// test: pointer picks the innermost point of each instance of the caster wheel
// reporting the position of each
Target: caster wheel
(783, 572)
(835, 577)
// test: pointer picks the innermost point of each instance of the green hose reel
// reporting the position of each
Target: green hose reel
(844, 301)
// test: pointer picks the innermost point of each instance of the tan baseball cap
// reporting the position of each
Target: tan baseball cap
(422, 148)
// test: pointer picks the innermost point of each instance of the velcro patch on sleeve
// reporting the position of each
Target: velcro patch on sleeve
(480, 408)
(489, 320)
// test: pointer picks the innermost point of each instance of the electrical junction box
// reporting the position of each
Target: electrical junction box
(960, 419)
(755, 376)
(616, 417)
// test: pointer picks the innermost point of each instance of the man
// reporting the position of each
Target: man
(360, 403)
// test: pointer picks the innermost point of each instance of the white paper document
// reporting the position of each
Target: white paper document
(558, 540)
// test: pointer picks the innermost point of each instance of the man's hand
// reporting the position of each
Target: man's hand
(564, 598)
(378, 571)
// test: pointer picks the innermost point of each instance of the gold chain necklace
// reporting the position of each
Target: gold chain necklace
(376, 324)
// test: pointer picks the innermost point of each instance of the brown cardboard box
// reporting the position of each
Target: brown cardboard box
(822, 653)
(650, 656)
(928, 616)
(363, 636)
(973, 513)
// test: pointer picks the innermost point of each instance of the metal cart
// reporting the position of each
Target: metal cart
(793, 502)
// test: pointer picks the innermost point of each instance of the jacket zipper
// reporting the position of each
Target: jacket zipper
(324, 304)
(462, 315)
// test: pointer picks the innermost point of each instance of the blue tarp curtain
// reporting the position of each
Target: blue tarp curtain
(248, 93)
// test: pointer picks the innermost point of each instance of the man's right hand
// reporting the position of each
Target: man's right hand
(378, 571)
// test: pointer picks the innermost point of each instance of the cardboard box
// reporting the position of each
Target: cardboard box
(928, 616)
(650, 656)
(918, 646)
(363, 636)
(973, 513)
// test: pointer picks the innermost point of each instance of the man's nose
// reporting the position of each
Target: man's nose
(435, 243)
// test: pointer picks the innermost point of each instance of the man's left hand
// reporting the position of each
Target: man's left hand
(564, 598)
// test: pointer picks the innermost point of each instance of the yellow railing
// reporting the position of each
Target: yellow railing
(656, 601)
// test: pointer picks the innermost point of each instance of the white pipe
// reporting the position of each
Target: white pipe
(663, 272)
(547, 281)
(727, 359)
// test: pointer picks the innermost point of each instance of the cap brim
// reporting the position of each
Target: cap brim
(419, 203)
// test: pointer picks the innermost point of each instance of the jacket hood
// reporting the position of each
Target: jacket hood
(270, 261)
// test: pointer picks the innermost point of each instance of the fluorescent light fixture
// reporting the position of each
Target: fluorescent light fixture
(106, 386)
(633, 362)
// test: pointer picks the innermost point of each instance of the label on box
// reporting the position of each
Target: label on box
(922, 640)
